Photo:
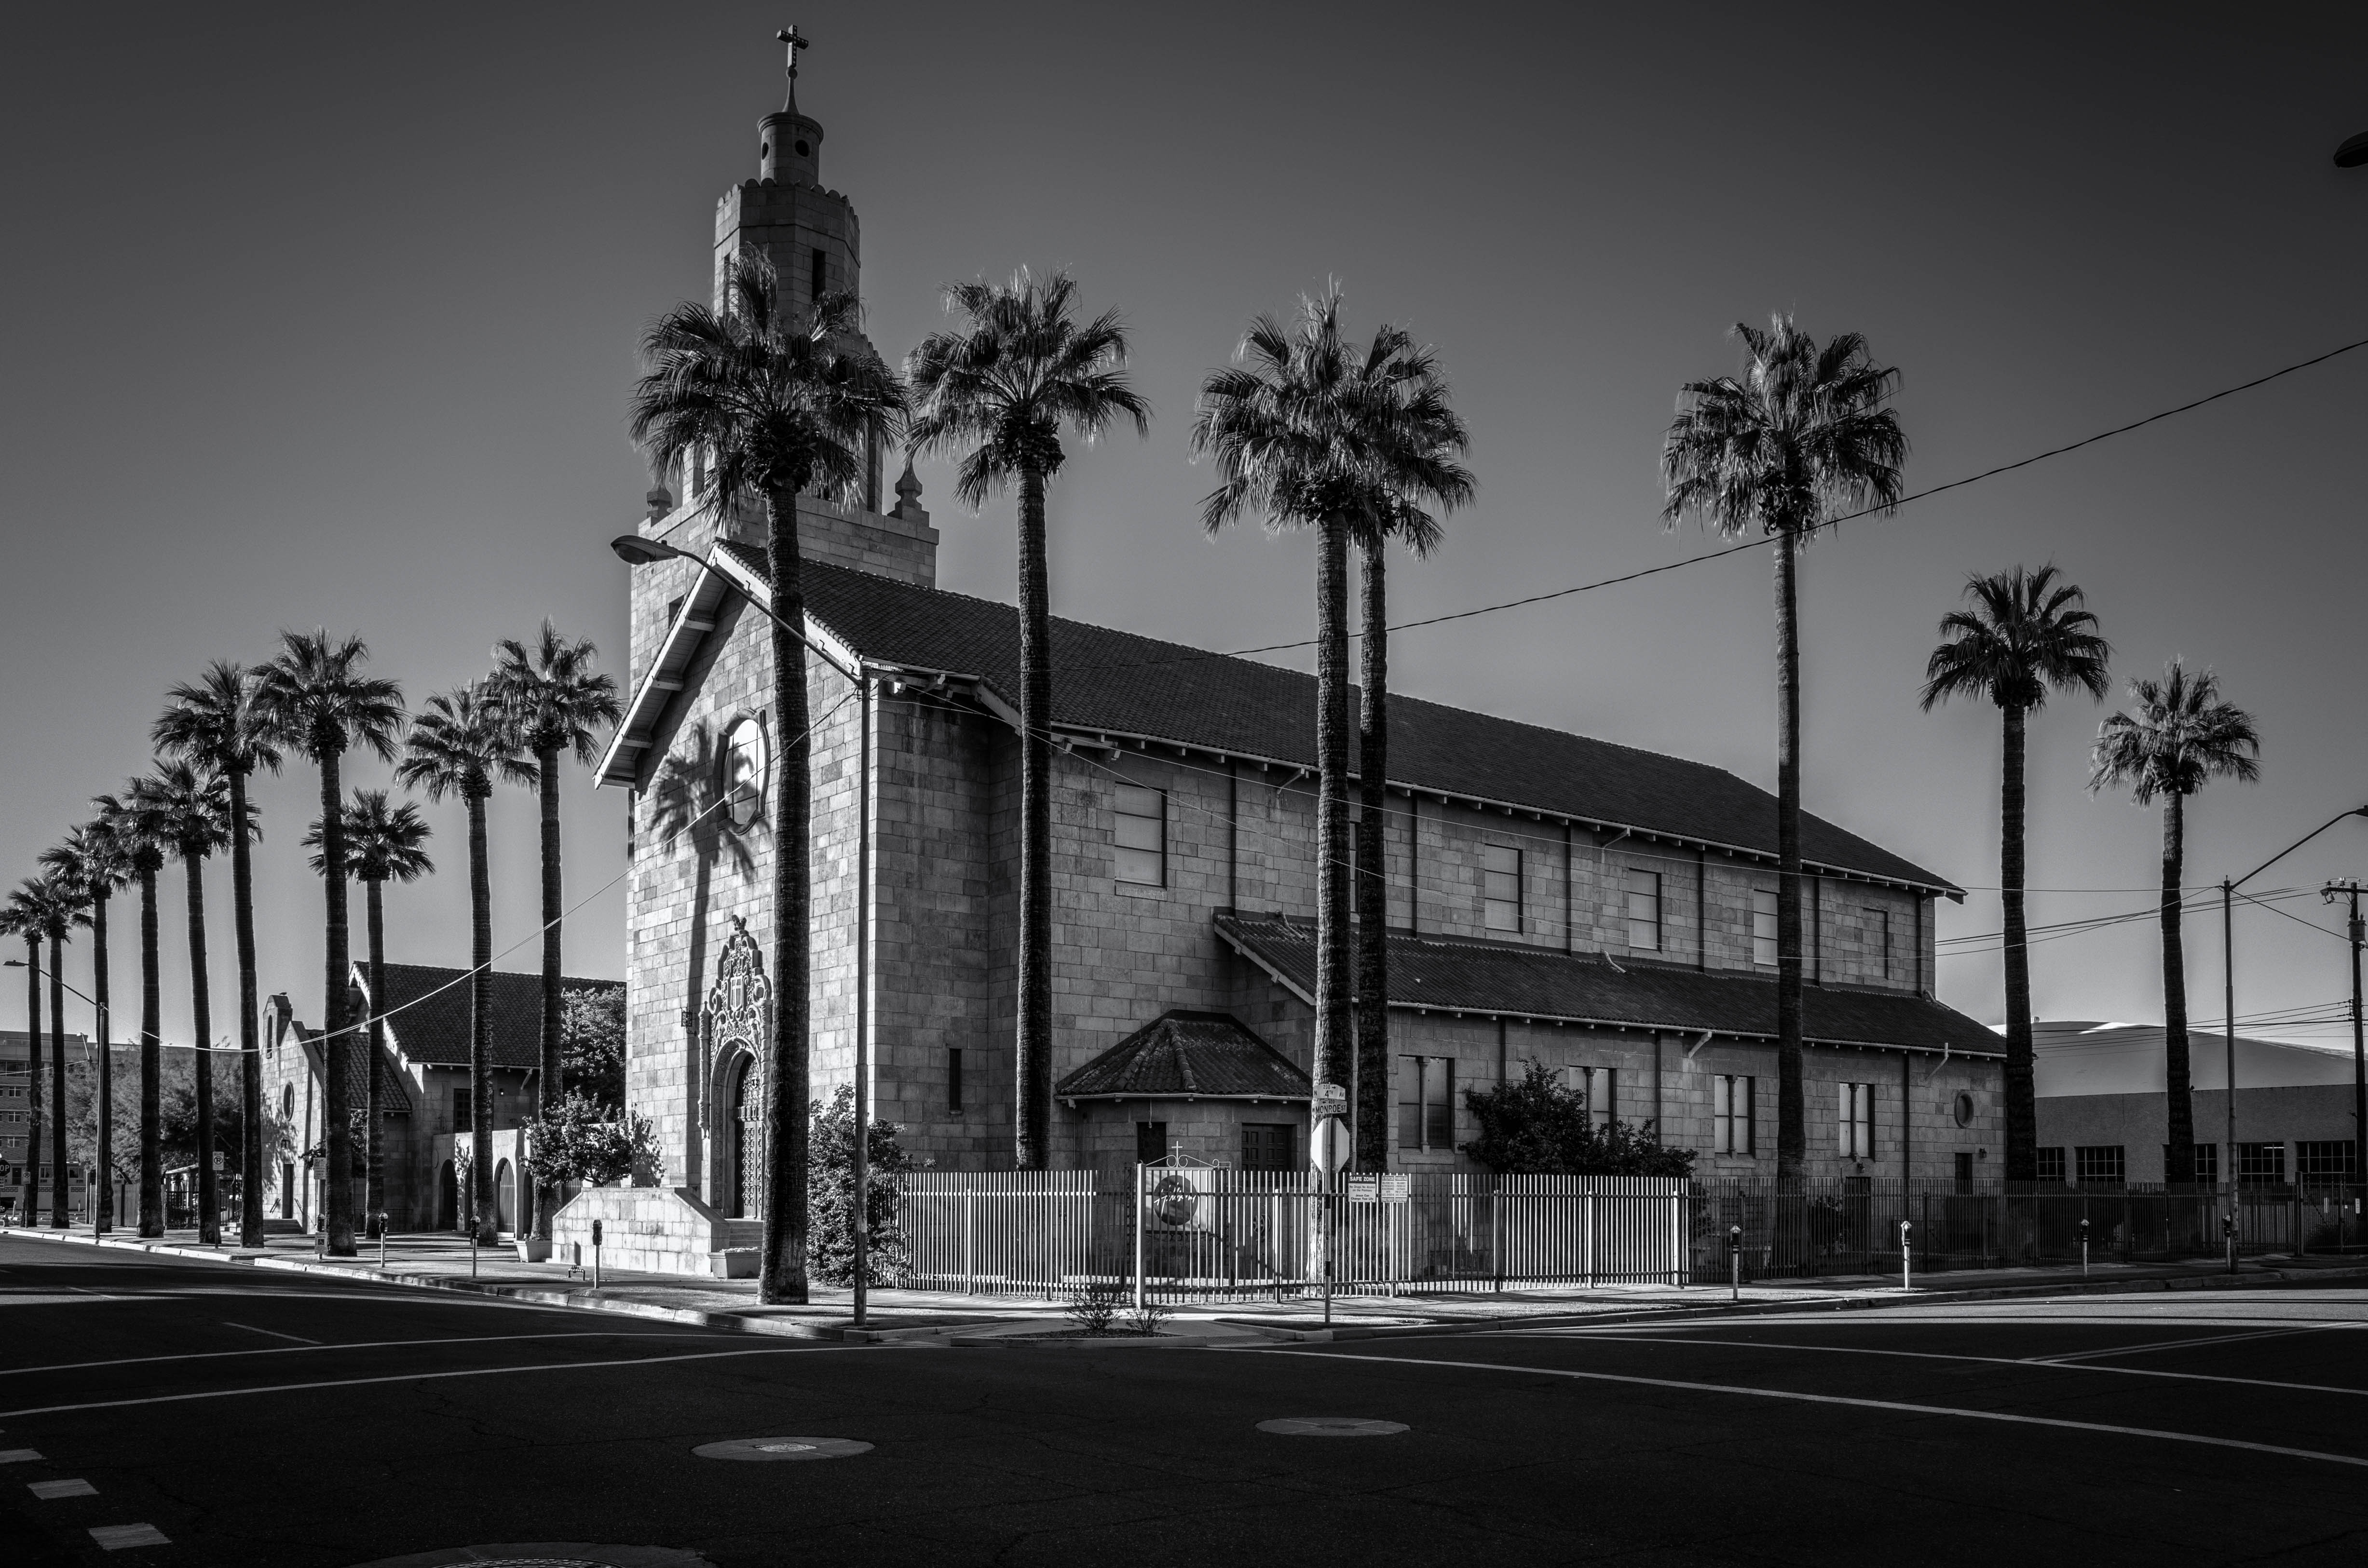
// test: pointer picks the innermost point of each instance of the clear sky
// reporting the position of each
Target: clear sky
(325, 316)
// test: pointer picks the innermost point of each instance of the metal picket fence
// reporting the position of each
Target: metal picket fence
(1195, 1232)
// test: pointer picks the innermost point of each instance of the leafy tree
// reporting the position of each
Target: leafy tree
(316, 700)
(216, 723)
(1309, 431)
(830, 1246)
(2179, 737)
(384, 844)
(1002, 388)
(2022, 635)
(1536, 1126)
(558, 703)
(1802, 436)
(456, 746)
(581, 1140)
(137, 828)
(772, 403)
(592, 1042)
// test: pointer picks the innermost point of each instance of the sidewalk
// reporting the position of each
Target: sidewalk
(440, 1261)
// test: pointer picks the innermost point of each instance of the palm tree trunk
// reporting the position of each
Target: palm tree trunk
(105, 1129)
(2021, 1104)
(547, 1083)
(250, 1061)
(1035, 1045)
(151, 1064)
(373, 1152)
(337, 1103)
(1373, 900)
(31, 1207)
(57, 1075)
(2177, 1079)
(1791, 1131)
(782, 1267)
(1334, 949)
(202, 1022)
(481, 1026)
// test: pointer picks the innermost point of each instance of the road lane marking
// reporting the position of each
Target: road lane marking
(272, 1332)
(430, 1377)
(115, 1538)
(1898, 1405)
(2183, 1344)
(353, 1345)
(49, 1489)
(1920, 1356)
(18, 1456)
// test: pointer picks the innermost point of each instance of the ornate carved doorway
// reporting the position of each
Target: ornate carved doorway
(746, 1133)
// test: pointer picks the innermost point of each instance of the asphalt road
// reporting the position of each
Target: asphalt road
(260, 1419)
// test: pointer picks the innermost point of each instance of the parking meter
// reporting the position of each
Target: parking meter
(2084, 1248)
(1735, 1260)
(596, 1255)
(1904, 1228)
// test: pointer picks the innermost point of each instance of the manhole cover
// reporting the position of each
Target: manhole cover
(782, 1448)
(1330, 1426)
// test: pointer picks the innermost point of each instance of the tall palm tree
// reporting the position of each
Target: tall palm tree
(2179, 737)
(559, 704)
(92, 860)
(384, 844)
(193, 820)
(54, 902)
(458, 745)
(2022, 635)
(775, 402)
(1001, 389)
(216, 723)
(1804, 435)
(316, 700)
(134, 827)
(1310, 431)
(19, 917)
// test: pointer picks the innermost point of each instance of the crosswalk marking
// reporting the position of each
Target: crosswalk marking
(76, 1488)
(115, 1538)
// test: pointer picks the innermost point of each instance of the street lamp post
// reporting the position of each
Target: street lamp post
(636, 551)
(2229, 954)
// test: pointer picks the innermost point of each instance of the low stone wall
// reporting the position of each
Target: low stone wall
(654, 1230)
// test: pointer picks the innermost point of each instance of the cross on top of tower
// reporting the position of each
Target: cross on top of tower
(792, 40)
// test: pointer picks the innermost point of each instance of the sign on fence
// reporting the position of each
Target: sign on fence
(1380, 1188)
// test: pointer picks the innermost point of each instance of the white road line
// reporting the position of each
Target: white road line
(2183, 1344)
(355, 1345)
(45, 1490)
(115, 1538)
(1812, 1399)
(430, 1377)
(1665, 1339)
(274, 1333)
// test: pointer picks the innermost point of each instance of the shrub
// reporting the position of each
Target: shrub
(577, 1141)
(1535, 1126)
(830, 1176)
(1094, 1306)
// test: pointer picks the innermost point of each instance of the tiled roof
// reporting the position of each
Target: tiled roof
(393, 1099)
(1121, 684)
(429, 1010)
(1207, 1055)
(1502, 978)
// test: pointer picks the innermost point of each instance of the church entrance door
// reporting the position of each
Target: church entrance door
(747, 1138)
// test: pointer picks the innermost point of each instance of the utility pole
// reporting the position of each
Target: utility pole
(2349, 887)
(2228, 1024)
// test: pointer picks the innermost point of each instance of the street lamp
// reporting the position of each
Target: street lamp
(2227, 930)
(634, 549)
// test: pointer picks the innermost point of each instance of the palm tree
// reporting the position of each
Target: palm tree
(216, 723)
(456, 747)
(95, 863)
(55, 903)
(20, 918)
(1001, 389)
(384, 844)
(135, 828)
(192, 809)
(2180, 738)
(315, 699)
(1802, 436)
(774, 403)
(2022, 636)
(559, 703)
(1311, 431)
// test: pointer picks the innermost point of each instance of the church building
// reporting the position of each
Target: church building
(1607, 911)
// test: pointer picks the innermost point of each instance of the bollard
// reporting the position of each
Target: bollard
(1904, 1228)
(1734, 1262)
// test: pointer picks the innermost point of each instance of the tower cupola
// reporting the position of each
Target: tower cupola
(789, 145)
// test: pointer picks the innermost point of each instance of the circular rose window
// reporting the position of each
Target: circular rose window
(741, 776)
(1963, 1108)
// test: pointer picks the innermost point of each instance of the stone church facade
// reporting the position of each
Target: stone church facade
(1607, 911)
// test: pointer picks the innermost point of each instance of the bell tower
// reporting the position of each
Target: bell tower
(809, 233)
